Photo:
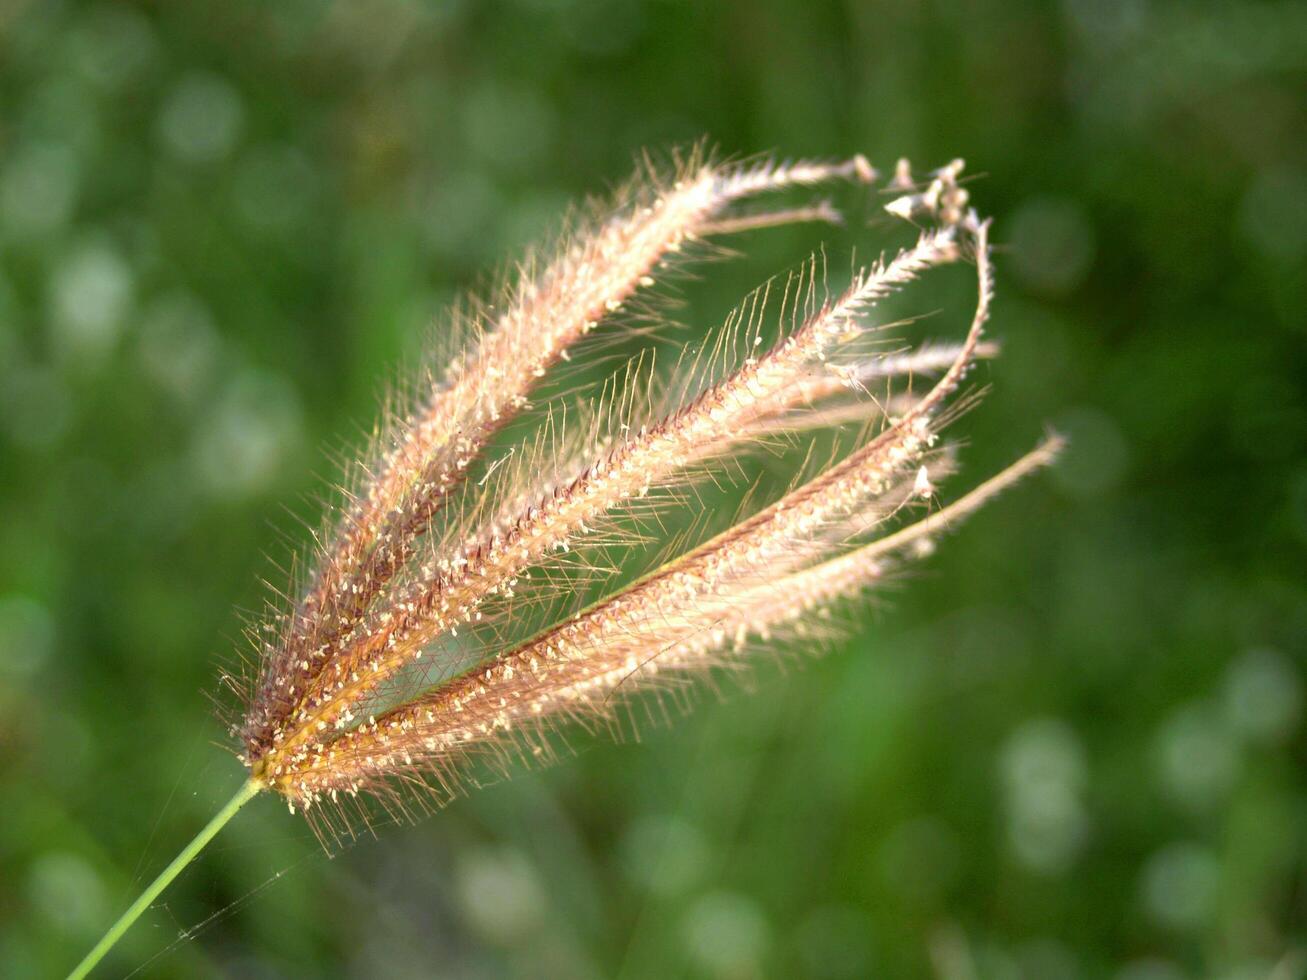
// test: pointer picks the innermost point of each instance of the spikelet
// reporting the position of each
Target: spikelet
(345, 702)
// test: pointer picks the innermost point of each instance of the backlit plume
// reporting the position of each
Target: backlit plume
(475, 589)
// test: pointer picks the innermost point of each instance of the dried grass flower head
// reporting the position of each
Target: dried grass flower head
(420, 645)
(501, 562)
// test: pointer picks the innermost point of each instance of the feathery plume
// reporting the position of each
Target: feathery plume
(313, 728)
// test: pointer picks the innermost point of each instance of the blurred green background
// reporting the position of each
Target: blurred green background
(1071, 745)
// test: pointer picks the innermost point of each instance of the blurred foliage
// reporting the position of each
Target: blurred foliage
(1070, 746)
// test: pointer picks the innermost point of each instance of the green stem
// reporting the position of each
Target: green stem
(246, 793)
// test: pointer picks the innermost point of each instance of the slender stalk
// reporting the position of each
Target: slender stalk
(246, 793)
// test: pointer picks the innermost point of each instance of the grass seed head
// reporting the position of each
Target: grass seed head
(438, 629)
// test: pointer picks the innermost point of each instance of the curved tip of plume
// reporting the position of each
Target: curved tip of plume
(434, 633)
